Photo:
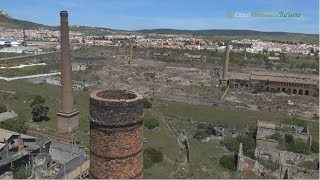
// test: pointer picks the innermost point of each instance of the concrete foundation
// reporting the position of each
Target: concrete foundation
(67, 122)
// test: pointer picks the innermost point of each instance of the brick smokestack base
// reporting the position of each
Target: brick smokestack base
(116, 134)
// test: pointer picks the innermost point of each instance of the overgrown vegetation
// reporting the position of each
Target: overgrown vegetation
(313, 165)
(315, 147)
(248, 143)
(19, 125)
(200, 134)
(39, 110)
(278, 137)
(150, 122)
(288, 143)
(146, 103)
(269, 164)
(229, 162)
(2, 108)
(232, 144)
(203, 131)
(21, 169)
(151, 156)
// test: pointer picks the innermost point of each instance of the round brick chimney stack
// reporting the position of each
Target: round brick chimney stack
(116, 134)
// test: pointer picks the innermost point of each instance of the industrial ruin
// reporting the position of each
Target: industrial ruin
(267, 148)
(40, 158)
(268, 81)
(116, 134)
(68, 118)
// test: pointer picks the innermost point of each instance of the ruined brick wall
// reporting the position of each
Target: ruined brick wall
(295, 158)
(294, 88)
(116, 134)
(294, 172)
(272, 154)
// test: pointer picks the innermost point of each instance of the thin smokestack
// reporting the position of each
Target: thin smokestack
(24, 38)
(66, 82)
(226, 63)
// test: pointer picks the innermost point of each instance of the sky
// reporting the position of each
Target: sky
(174, 14)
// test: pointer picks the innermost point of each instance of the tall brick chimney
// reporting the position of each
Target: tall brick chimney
(68, 118)
(116, 134)
(225, 77)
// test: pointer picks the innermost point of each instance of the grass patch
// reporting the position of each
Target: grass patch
(313, 165)
(269, 164)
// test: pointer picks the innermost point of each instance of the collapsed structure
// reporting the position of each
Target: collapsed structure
(290, 83)
(39, 158)
(116, 134)
(268, 149)
(68, 118)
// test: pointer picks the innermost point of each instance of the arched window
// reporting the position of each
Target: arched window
(294, 91)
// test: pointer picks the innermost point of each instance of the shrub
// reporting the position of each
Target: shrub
(278, 137)
(300, 147)
(315, 147)
(259, 90)
(39, 113)
(146, 103)
(231, 144)
(150, 122)
(201, 126)
(209, 129)
(2, 108)
(151, 156)
(229, 162)
(313, 165)
(19, 125)
(269, 164)
(248, 143)
(200, 134)
(37, 100)
(288, 138)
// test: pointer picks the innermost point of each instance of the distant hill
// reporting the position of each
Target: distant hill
(218, 34)
(9, 22)
(237, 34)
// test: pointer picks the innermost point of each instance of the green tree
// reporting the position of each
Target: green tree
(39, 113)
(39, 110)
(150, 122)
(146, 103)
